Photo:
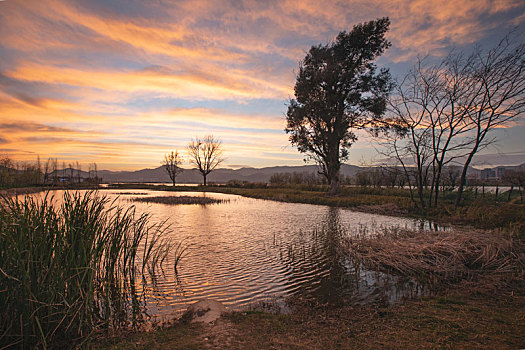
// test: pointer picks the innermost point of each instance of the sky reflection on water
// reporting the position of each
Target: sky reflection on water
(247, 251)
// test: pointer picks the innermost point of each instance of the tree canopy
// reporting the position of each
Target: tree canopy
(338, 90)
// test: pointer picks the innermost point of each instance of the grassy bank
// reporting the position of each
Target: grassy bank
(70, 269)
(439, 259)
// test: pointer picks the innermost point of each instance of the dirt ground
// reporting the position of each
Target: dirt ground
(470, 317)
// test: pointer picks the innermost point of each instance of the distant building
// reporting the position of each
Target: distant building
(498, 172)
(488, 173)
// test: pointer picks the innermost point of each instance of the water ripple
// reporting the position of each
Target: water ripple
(248, 250)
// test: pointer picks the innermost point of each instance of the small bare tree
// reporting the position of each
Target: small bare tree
(205, 154)
(47, 170)
(171, 163)
(427, 103)
(79, 172)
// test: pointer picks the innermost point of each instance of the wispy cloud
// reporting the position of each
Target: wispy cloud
(123, 82)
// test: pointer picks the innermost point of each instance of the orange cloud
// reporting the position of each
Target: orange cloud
(182, 85)
(86, 79)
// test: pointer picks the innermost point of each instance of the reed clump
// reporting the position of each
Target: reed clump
(172, 200)
(437, 258)
(70, 269)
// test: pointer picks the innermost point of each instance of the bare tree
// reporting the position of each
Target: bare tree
(205, 154)
(519, 179)
(171, 163)
(427, 104)
(495, 95)
(6, 172)
(95, 172)
(451, 176)
(38, 168)
(47, 169)
(445, 112)
(71, 173)
(79, 171)
(92, 173)
(55, 171)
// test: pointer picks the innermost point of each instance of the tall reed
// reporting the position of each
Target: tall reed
(69, 269)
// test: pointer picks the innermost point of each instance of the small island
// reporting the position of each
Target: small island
(173, 200)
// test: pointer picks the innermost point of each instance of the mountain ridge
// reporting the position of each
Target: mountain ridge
(223, 175)
(220, 175)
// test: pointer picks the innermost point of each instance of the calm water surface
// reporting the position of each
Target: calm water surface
(249, 251)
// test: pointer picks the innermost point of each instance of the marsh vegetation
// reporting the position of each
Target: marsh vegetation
(439, 258)
(173, 200)
(73, 266)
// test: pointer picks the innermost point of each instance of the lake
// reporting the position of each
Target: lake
(248, 252)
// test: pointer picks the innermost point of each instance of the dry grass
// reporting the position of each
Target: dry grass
(439, 257)
(172, 200)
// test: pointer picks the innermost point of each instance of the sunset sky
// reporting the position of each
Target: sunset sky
(123, 82)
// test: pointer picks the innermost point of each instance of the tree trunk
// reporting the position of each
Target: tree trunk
(204, 178)
(173, 182)
(334, 186)
(419, 183)
(510, 192)
(460, 187)
(463, 179)
(438, 180)
(332, 165)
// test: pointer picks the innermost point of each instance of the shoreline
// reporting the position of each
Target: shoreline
(479, 213)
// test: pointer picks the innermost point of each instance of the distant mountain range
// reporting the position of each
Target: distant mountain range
(220, 175)
(223, 175)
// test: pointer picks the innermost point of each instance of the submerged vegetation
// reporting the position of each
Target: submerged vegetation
(171, 200)
(70, 269)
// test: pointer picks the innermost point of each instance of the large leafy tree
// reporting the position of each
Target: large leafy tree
(339, 90)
